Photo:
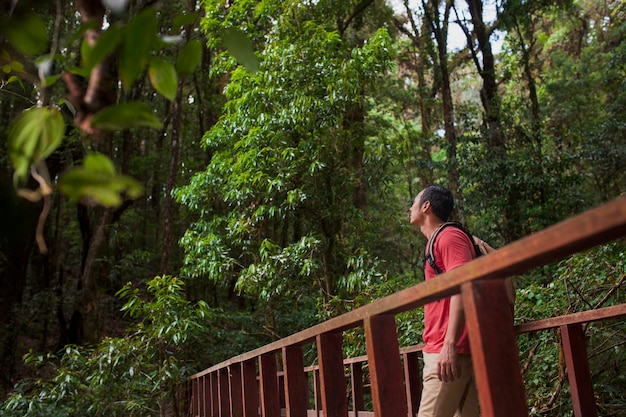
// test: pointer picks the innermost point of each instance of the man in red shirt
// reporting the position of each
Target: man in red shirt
(449, 388)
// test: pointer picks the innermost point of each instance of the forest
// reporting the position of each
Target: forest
(184, 181)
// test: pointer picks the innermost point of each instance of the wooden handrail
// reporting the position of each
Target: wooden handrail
(594, 227)
(479, 280)
(574, 318)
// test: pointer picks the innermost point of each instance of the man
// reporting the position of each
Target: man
(449, 388)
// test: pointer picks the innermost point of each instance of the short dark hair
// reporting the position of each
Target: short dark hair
(441, 200)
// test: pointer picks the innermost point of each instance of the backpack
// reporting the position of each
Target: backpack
(480, 248)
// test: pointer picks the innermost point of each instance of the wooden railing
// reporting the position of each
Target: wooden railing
(251, 384)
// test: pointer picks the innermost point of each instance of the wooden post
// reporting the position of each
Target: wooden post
(296, 382)
(270, 401)
(413, 382)
(250, 389)
(332, 377)
(494, 349)
(578, 374)
(356, 382)
(383, 355)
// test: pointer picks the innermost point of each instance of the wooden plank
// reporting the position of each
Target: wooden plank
(250, 389)
(296, 382)
(578, 374)
(224, 392)
(494, 350)
(270, 402)
(356, 383)
(582, 317)
(332, 378)
(236, 391)
(383, 352)
(594, 227)
(412, 381)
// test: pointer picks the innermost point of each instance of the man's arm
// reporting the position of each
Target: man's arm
(447, 363)
(456, 251)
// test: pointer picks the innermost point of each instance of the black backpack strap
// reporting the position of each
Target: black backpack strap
(430, 254)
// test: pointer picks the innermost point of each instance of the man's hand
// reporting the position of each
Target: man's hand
(447, 364)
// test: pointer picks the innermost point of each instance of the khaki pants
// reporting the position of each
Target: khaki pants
(458, 398)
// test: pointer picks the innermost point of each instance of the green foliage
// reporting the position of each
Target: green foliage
(28, 33)
(136, 45)
(136, 375)
(98, 181)
(587, 280)
(282, 165)
(163, 77)
(241, 48)
(126, 116)
(33, 137)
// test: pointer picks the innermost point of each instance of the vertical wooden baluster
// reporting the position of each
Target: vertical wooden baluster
(250, 389)
(295, 382)
(578, 374)
(188, 390)
(332, 377)
(236, 399)
(494, 349)
(356, 382)
(317, 392)
(215, 405)
(413, 382)
(224, 392)
(281, 390)
(195, 397)
(206, 396)
(270, 401)
(383, 355)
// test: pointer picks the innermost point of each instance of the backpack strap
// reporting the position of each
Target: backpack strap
(430, 254)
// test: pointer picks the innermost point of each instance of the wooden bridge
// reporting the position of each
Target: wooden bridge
(251, 384)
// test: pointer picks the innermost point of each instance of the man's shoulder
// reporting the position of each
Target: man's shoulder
(453, 231)
(454, 239)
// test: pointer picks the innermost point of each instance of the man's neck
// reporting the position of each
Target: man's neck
(430, 225)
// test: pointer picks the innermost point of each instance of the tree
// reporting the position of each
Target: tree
(92, 126)
(279, 217)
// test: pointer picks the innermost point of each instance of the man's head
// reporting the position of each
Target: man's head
(439, 199)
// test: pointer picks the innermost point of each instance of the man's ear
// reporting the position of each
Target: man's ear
(426, 206)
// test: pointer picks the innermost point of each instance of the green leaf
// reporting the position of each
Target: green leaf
(34, 136)
(182, 20)
(99, 163)
(139, 38)
(98, 181)
(126, 116)
(27, 33)
(105, 46)
(163, 77)
(240, 46)
(17, 66)
(189, 57)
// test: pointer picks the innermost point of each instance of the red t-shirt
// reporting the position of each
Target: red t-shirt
(451, 250)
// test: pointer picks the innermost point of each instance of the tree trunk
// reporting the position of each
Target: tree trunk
(99, 93)
(171, 181)
(489, 91)
(17, 239)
